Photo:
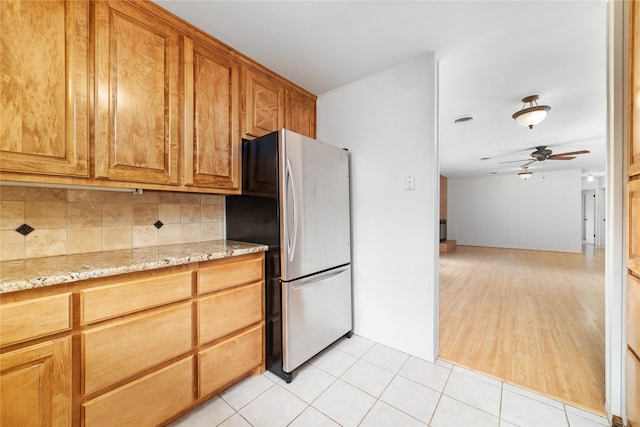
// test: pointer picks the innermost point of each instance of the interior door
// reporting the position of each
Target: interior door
(589, 213)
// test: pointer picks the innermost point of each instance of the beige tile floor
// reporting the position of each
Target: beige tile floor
(357, 382)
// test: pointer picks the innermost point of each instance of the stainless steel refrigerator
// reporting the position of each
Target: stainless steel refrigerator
(295, 199)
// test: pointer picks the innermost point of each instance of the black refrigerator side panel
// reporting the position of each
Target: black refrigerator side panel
(255, 217)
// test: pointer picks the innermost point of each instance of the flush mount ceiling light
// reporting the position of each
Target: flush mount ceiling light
(531, 114)
(525, 174)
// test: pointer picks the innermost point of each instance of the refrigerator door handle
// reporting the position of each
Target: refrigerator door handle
(316, 278)
(292, 188)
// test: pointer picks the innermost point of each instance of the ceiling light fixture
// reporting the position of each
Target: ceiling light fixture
(525, 174)
(590, 178)
(531, 114)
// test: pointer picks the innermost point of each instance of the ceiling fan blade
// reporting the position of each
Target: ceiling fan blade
(571, 153)
(560, 158)
(528, 163)
(513, 161)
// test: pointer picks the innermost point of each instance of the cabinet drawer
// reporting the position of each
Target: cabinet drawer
(228, 274)
(147, 401)
(228, 311)
(633, 390)
(229, 360)
(633, 313)
(114, 300)
(24, 320)
(122, 348)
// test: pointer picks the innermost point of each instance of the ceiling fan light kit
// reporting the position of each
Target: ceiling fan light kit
(541, 154)
(525, 174)
(531, 114)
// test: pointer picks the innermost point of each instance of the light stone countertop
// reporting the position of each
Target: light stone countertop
(39, 272)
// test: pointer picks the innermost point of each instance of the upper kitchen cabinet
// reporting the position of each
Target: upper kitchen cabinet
(44, 114)
(211, 131)
(137, 60)
(301, 113)
(264, 104)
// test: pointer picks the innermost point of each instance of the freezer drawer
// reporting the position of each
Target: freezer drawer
(316, 312)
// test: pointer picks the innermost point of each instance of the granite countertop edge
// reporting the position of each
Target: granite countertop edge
(47, 271)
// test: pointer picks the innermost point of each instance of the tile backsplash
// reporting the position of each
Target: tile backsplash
(70, 221)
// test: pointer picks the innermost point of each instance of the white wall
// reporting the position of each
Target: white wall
(388, 123)
(507, 212)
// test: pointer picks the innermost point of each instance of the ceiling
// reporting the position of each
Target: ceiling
(491, 55)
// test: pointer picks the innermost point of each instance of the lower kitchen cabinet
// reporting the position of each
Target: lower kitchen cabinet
(35, 385)
(147, 401)
(229, 360)
(123, 348)
(228, 311)
(136, 349)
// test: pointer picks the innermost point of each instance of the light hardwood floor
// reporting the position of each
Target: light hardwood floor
(530, 318)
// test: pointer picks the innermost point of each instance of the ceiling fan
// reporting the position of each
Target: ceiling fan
(542, 153)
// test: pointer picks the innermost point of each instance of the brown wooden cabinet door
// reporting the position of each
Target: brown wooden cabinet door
(212, 136)
(137, 97)
(44, 126)
(36, 385)
(301, 114)
(264, 103)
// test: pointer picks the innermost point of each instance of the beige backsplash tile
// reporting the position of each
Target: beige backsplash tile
(167, 197)
(210, 213)
(145, 235)
(84, 196)
(117, 197)
(11, 193)
(169, 234)
(117, 214)
(12, 245)
(190, 214)
(80, 214)
(189, 198)
(145, 213)
(211, 231)
(41, 215)
(115, 238)
(190, 233)
(11, 214)
(70, 221)
(82, 240)
(46, 242)
(169, 213)
(45, 194)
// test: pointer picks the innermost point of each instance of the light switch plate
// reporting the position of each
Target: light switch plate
(410, 182)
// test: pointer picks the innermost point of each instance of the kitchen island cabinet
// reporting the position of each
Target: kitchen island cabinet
(134, 343)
